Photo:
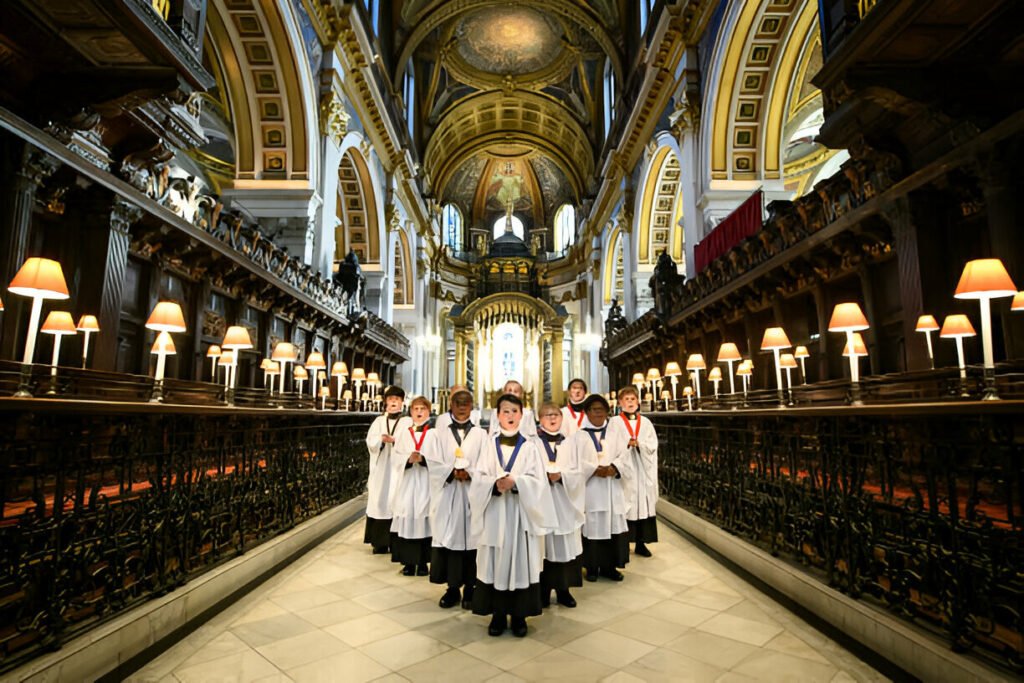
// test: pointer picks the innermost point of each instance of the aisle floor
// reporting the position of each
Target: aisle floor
(342, 614)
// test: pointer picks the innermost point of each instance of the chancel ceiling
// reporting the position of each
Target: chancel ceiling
(508, 94)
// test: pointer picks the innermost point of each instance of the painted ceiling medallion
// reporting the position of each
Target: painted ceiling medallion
(508, 40)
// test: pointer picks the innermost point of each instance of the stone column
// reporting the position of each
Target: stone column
(557, 380)
(908, 260)
(33, 168)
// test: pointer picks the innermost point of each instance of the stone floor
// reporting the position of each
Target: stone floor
(342, 614)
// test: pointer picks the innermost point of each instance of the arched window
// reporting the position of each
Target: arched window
(645, 15)
(609, 97)
(565, 227)
(499, 227)
(409, 95)
(451, 227)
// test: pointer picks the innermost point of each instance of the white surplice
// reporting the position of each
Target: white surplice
(378, 484)
(605, 506)
(410, 490)
(641, 488)
(564, 543)
(450, 519)
(527, 427)
(572, 419)
(509, 527)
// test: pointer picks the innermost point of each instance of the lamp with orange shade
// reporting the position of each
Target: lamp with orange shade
(986, 279)
(38, 279)
(695, 363)
(213, 353)
(729, 353)
(788, 363)
(165, 318)
(638, 382)
(347, 395)
(236, 339)
(228, 359)
(1016, 305)
(265, 366)
(301, 375)
(339, 370)
(315, 362)
(688, 393)
(325, 393)
(87, 324)
(927, 324)
(358, 377)
(372, 382)
(774, 340)
(59, 324)
(802, 354)
(163, 346)
(284, 353)
(715, 376)
(673, 371)
(745, 370)
(847, 318)
(957, 327)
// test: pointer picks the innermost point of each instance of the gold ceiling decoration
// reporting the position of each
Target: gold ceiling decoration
(492, 122)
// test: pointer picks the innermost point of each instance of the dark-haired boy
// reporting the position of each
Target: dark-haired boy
(380, 441)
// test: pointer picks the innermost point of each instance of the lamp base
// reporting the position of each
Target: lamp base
(855, 395)
(24, 383)
(157, 396)
(988, 393)
(229, 397)
(782, 400)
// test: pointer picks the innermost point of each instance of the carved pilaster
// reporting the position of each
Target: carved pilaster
(112, 231)
(908, 260)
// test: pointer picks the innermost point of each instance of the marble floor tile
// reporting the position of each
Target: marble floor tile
(776, 667)
(646, 628)
(609, 648)
(352, 667)
(457, 631)
(560, 665)
(307, 599)
(385, 599)
(256, 633)
(404, 649)
(708, 599)
(505, 652)
(241, 666)
(665, 665)
(364, 630)
(333, 613)
(415, 614)
(789, 644)
(454, 665)
(302, 649)
(711, 649)
(738, 628)
(680, 613)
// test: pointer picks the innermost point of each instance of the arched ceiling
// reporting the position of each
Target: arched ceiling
(508, 90)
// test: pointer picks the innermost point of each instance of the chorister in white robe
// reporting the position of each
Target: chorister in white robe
(641, 487)
(509, 527)
(378, 485)
(410, 492)
(572, 419)
(528, 427)
(450, 519)
(564, 543)
(605, 502)
(444, 419)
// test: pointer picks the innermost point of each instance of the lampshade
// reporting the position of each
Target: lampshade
(58, 322)
(325, 392)
(266, 363)
(284, 351)
(40, 278)
(273, 368)
(316, 360)
(696, 362)
(744, 370)
(985, 278)
(788, 360)
(1016, 305)
(926, 323)
(339, 368)
(166, 317)
(775, 338)
(847, 317)
(213, 352)
(666, 394)
(373, 378)
(728, 352)
(672, 369)
(715, 373)
(653, 374)
(638, 378)
(237, 337)
(859, 349)
(227, 357)
(163, 344)
(687, 390)
(957, 326)
(801, 352)
(87, 323)
(347, 395)
(1, 304)
(300, 372)
(359, 375)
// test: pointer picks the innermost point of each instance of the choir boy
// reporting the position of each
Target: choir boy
(451, 455)
(410, 493)
(564, 545)
(380, 441)
(572, 413)
(529, 425)
(605, 533)
(635, 436)
(512, 510)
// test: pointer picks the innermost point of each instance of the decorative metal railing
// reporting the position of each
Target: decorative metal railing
(916, 509)
(105, 505)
